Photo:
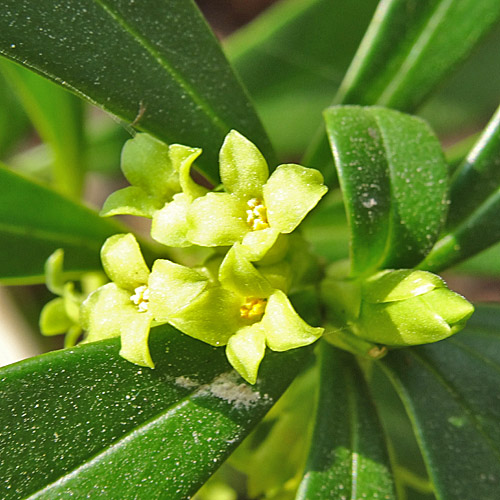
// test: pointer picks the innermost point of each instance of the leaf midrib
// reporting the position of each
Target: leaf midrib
(390, 215)
(171, 409)
(416, 422)
(208, 110)
(430, 27)
(457, 396)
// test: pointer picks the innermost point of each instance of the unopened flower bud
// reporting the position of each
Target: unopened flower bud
(406, 307)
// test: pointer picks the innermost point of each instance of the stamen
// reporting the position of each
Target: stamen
(253, 308)
(141, 298)
(257, 215)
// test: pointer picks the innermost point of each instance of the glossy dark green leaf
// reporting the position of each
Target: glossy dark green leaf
(58, 117)
(35, 221)
(473, 224)
(154, 64)
(475, 234)
(478, 176)
(292, 59)
(393, 177)
(348, 456)
(84, 422)
(409, 470)
(451, 392)
(409, 48)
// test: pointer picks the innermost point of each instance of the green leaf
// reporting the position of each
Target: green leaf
(407, 51)
(291, 72)
(84, 420)
(348, 456)
(35, 221)
(155, 65)
(449, 390)
(476, 233)
(393, 178)
(13, 120)
(478, 176)
(58, 117)
(475, 201)
(470, 94)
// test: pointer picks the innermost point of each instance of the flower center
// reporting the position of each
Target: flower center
(141, 298)
(253, 308)
(257, 215)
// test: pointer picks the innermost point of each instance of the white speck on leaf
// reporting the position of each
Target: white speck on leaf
(186, 382)
(369, 203)
(225, 387)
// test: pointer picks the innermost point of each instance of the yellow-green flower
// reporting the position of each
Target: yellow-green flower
(62, 314)
(161, 187)
(256, 208)
(245, 309)
(121, 308)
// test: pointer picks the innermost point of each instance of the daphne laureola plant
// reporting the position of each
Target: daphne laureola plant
(251, 281)
(237, 297)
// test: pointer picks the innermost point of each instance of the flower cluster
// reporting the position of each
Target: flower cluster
(236, 298)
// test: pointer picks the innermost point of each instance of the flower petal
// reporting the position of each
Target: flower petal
(451, 306)
(53, 318)
(284, 328)
(243, 169)
(123, 261)
(257, 244)
(169, 225)
(245, 351)
(72, 336)
(405, 322)
(146, 163)
(217, 219)
(237, 273)
(72, 301)
(131, 200)
(54, 276)
(182, 159)
(290, 194)
(134, 339)
(400, 284)
(105, 311)
(213, 317)
(173, 287)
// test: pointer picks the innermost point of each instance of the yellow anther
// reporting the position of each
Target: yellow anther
(141, 298)
(257, 215)
(253, 308)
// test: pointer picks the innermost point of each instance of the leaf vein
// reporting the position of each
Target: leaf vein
(179, 79)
